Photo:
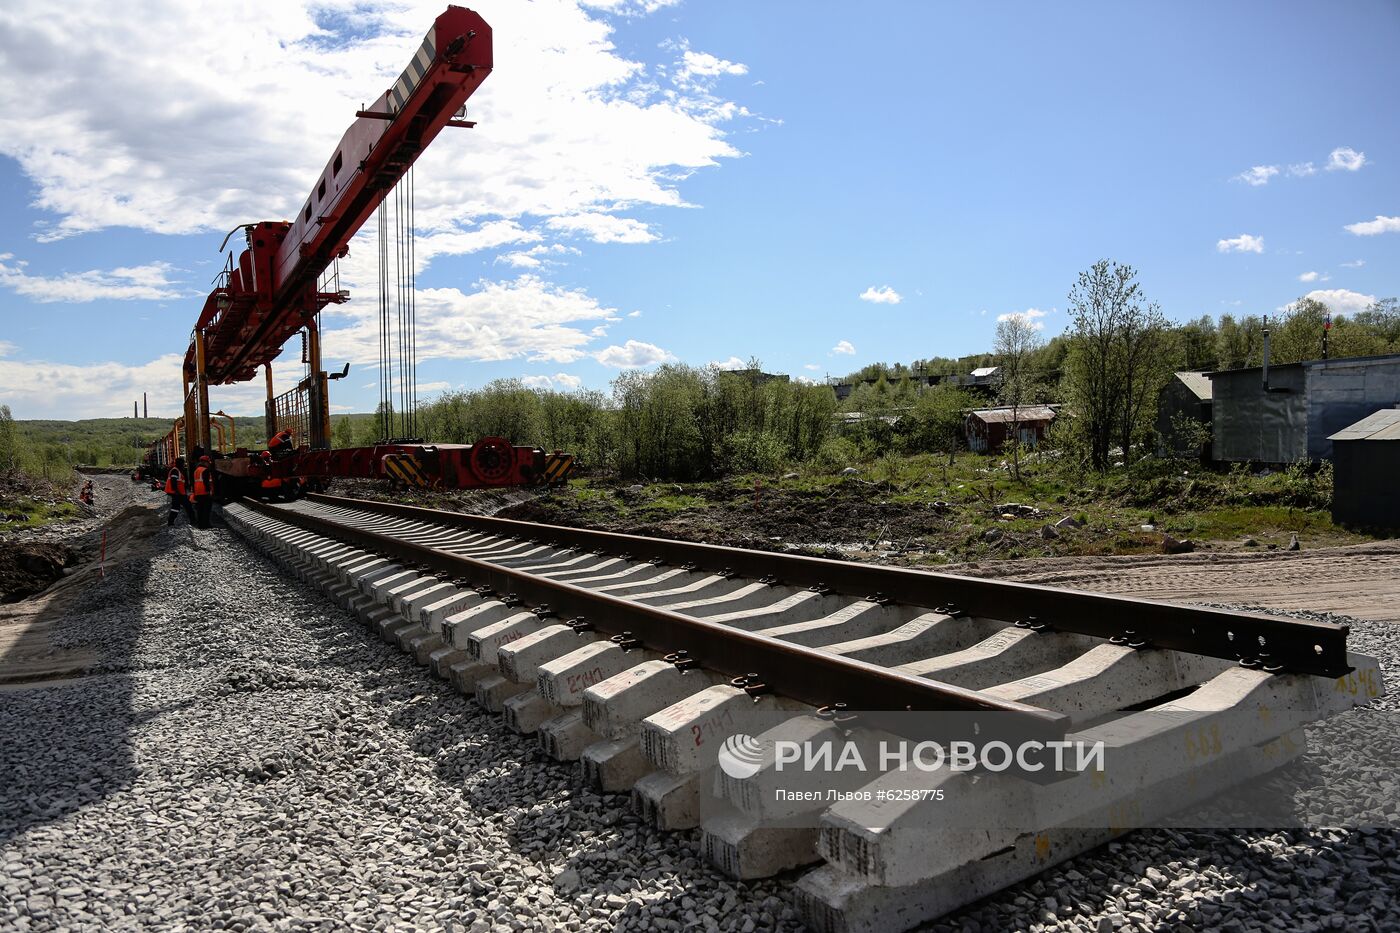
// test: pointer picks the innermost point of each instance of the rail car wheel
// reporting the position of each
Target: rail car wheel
(492, 459)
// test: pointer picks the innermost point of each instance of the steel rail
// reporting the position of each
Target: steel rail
(804, 674)
(1283, 645)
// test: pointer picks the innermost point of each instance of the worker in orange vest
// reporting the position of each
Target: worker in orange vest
(175, 489)
(280, 443)
(271, 485)
(203, 491)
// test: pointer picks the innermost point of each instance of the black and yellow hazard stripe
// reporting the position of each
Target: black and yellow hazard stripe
(406, 468)
(557, 467)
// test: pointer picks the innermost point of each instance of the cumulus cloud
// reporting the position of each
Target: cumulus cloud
(1244, 243)
(572, 128)
(558, 380)
(702, 65)
(470, 239)
(524, 318)
(1342, 300)
(537, 257)
(45, 389)
(732, 363)
(884, 295)
(634, 353)
(1030, 315)
(148, 282)
(1345, 159)
(629, 7)
(1258, 175)
(1342, 158)
(603, 228)
(844, 348)
(1381, 224)
(812, 366)
(1354, 264)
(1314, 277)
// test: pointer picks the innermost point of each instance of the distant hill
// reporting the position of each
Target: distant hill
(123, 441)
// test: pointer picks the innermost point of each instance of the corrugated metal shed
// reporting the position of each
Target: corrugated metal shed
(1384, 425)
(1366, 458)
(1186, 393)
(1293, 416)
(1198, 383)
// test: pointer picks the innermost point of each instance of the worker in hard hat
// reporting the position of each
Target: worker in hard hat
(271, 486)
(203, 492)
(175, 489)
(280, 443)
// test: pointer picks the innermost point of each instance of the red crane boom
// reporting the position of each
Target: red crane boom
(277, 287)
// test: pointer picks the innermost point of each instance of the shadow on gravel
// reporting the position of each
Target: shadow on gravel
(65, 740)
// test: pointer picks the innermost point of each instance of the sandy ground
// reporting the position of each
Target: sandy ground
(1362, 580)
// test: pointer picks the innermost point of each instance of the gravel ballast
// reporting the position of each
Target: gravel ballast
(246, 756)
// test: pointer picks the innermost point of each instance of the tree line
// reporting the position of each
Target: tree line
(684, 422)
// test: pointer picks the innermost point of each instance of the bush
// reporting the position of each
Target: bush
(751, 452)
(837, 453)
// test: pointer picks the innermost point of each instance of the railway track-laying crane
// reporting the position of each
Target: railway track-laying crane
(288, 272)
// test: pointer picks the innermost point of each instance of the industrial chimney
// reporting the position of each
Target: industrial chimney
(1266, 359)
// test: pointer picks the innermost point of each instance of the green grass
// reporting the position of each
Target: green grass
(25, 512)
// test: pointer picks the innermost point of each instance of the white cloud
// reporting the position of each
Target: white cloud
(43, 389)
(1342, 300)
(845, 348)
(1244, 243)
(1381, 224)
(812, 366)
(884, 295)
(1314, 277)
(7, 348)
(1258, 175)
(525, 318)
(634, 313)
(536, 256)
(1030, 315)
(457, 242)
(149, 282)
(1354, 264)
(569, 126)
(560, 380)
(634, 353)
(1346, 159)
(603, 228)
(629, 7)
(701, 65)
(1302, 169)
(732, 363)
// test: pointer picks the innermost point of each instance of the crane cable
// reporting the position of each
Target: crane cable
(398, 332)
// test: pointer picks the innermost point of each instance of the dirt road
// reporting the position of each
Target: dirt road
(1361, 580)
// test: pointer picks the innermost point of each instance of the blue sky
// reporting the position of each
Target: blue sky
(700, 181)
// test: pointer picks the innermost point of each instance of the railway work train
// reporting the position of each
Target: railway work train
(287, 273)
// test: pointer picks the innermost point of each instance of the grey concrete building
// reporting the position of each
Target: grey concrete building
(1285, 413)
(1366, 457)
